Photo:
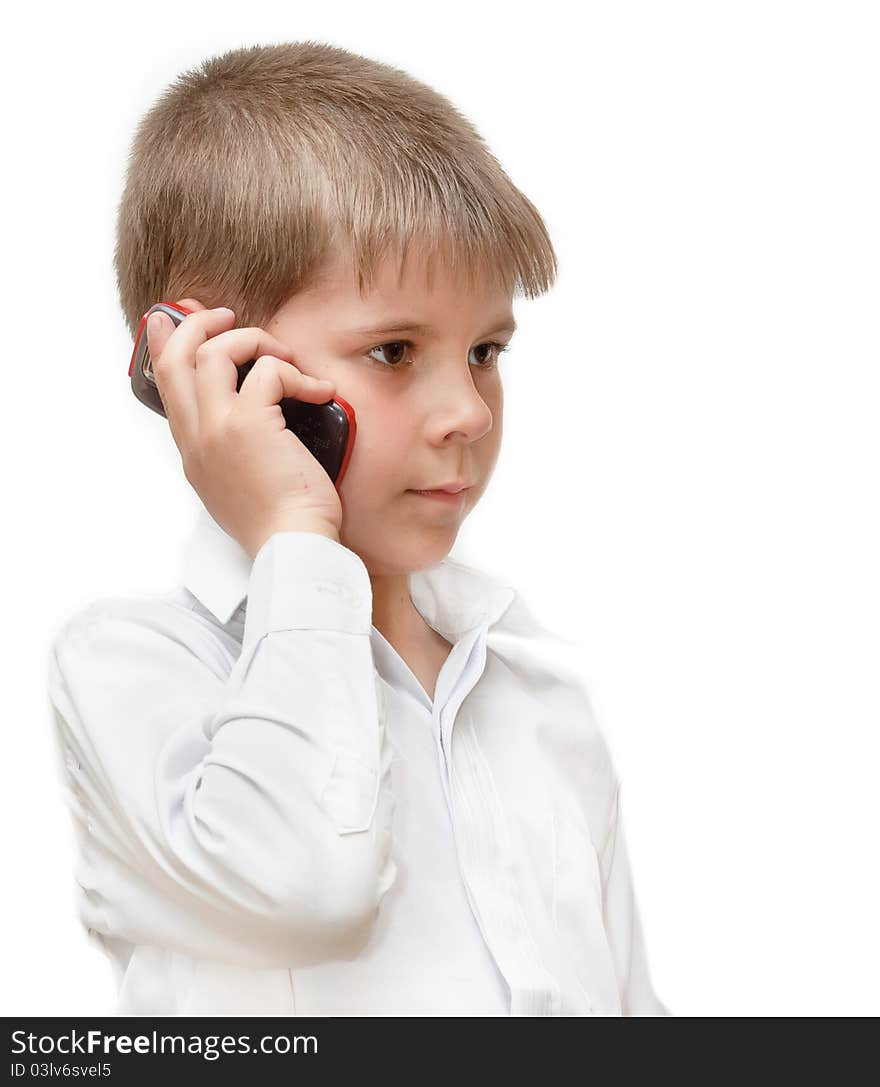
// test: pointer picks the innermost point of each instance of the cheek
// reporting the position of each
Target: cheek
(380, 458)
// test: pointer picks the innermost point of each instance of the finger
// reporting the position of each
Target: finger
(216, 379)
(159, 329)
(273, 379)
(175, 365)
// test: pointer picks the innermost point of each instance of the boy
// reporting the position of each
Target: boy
(336, 772)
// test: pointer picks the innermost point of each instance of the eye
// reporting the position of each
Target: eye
(383, 346)
(496, 350)
(489, 363)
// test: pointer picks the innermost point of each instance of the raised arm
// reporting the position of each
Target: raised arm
(239, 810)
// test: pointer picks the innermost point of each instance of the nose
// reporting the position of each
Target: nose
(458, 409)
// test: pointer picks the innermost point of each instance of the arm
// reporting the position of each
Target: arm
(242, 816)
(623, 923)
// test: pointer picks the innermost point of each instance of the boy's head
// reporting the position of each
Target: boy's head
(320, 194)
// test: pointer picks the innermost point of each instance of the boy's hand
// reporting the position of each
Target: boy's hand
(253, 475)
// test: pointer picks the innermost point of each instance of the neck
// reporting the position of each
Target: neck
(394, 614)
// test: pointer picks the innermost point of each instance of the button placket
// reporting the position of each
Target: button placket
(488, 854)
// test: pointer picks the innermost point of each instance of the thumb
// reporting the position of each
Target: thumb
(159, 328)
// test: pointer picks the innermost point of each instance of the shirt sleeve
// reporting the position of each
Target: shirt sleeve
(240, 811)
(623, 922)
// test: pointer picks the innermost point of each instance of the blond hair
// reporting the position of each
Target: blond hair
(253, 171)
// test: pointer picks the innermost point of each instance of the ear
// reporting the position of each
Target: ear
(190, 304)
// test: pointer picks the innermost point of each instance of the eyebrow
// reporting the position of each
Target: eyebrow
(507, 324)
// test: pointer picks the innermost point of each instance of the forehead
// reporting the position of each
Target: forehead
(416, 275)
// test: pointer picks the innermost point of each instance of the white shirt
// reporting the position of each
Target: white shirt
(274, 818)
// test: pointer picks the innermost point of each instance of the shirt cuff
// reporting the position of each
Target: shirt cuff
(307, 581)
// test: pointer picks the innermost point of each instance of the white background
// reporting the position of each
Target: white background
(688, 484)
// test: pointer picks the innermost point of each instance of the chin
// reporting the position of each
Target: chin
(384, 561)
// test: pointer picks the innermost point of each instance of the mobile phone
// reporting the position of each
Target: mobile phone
(326, 430)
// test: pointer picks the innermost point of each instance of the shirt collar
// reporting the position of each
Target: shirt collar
(450, 596)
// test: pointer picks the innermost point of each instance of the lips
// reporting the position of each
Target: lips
(451, 498)
(448, 488)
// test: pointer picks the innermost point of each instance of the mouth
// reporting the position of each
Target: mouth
(450, 498)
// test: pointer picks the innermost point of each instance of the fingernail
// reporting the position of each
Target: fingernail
(154, 323)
